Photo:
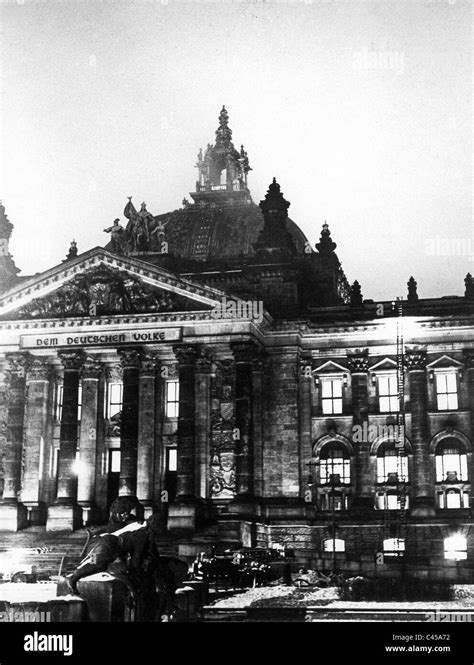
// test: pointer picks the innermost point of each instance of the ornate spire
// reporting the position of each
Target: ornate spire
(223, 132)
(222, 169)
(326, 245)
(356, 295)
(274, 238)
(412, 293)
(274, 202)
(469, 282)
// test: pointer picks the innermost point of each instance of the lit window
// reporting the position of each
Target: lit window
(334, 545)
(455, 548)
(114, 400)
(451, 461)
(334, 462)
(388, 393)
(171, 459)
(331, 396)
(114, 461)
(392, 465)
(172, 399)
(394, 547)
(446, 391)
(338, 500)
(391, 501)
(58, 402)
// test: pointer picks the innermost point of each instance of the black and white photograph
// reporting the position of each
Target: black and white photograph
(236, 332)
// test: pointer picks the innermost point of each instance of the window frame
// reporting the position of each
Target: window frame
(441, 473)
(392, 397)
(445, 373)
(174, 403)
(109, 404)
(327, 466)
(332, 400)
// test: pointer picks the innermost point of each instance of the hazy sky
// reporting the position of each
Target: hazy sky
(362, 111)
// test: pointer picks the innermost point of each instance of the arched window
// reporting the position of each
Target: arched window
(455, 547)
(451, 461)
(392, 464)
(334, 464)
(394, 547)
(334, 545)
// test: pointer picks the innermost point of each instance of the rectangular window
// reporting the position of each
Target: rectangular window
(391, 501)
(446, 391)
(171, 459)
(388, 393)
(392, 463)
(58, 402)
(331, 396)
(172, 399)
(114, 400)
(115, 457)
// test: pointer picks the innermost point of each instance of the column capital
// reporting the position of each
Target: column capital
(187, 354)
(148, 364)
(469, 358)
(415, 359)
(245, 352)
(204, 362)
(18, 362)
(131, 357)
(358, 362)
(92, 368)
(72, 360)
(39, 369)
(114, 373)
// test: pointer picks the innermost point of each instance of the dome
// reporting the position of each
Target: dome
(213, 231)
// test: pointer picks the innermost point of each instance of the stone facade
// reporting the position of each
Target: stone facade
(256, 399)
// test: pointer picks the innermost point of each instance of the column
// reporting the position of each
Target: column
(245, 354)
(65, 513)
(130, 359)
(203, 425)
(146, 432)
(36, 434)
(12, 512)
(359, 364)
(469, 360)
(182, 513)
(257, 392)
(423, 485)
(90, 423)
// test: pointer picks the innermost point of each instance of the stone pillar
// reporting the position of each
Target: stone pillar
(65, 513)
(182, 513)
(36, 433)
(304, 407)
(12, 512)
(203, 425)
(146, 433)
(130, 359)
(469, 360)
(245, 354)
(359, 364)
(423, 485)
(90, 417)
(257, 392)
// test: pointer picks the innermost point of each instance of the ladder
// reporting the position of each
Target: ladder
(400, 444)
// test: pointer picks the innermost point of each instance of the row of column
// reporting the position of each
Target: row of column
(27, 422)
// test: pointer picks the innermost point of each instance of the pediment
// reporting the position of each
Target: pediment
(99, 283)
(330, 367)
(385, 365)
(444, 362)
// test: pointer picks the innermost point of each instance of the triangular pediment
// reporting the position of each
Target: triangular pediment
(330, 367)
(385, 365)
(444, 362)
(99, 283)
